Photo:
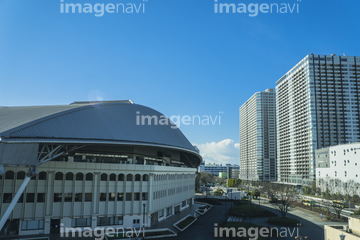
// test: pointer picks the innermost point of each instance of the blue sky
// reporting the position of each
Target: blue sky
(178, 57)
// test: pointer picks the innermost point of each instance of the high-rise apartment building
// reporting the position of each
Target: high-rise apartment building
(318, 105)
(258, 137)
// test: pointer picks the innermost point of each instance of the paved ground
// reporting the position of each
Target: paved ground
(311, 223)
(203, 229)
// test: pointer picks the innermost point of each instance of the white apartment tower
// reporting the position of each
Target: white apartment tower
(258, 137)
(318, 106)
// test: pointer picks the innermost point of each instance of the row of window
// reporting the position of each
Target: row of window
(76, 222)
(78, 197)
(78, 176)
(29, 198)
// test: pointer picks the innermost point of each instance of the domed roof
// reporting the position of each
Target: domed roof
(116, 121)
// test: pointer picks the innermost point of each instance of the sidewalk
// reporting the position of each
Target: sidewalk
(168, 222)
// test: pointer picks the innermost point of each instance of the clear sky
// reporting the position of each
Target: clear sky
(176, 56)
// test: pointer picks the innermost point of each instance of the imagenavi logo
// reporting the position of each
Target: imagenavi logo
(100, 9)
(254, 9)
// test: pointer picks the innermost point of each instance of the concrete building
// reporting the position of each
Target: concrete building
(258, 137)
(318, 104)
(338, 168)
(91, 165)
(350, 232)
(216, 169)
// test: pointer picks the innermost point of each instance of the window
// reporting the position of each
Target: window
(107, 221)
(112, 177)
(144, 196)
(79, 177)
(81, 222)
(183, 203)
(69, 176)
(103, 177)
(136, 196)
(121, 177)
(20, 175)
(21, 199)
(59, 176)
(78, 197)
(88, 197)
(129, 177)
(57, 197)
(137, 177)
(111, 197)
(102, 197)
(120, 197)
(169, 211)
(42, 176)
(128, 196)
(7, 198)
(30, 197)
(9, 175)
(89, 177)
(68, 197)
(161, 213)
(32, 224)
(41, 197)
(145, 177)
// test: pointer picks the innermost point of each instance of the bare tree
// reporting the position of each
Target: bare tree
(285, 201)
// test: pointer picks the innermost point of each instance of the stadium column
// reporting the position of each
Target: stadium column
(95, 196)
(49, 201)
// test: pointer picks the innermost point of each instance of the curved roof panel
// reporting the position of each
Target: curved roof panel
(105, 121)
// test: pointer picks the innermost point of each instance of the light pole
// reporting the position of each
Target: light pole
(342, 236)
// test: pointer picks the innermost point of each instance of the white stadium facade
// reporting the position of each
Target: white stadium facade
(90, 165)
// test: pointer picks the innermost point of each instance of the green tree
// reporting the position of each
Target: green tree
(219, 192)
(255, 194)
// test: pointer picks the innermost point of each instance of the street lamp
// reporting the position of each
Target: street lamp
(342, 236)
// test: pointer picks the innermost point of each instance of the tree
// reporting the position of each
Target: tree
(338, 207)
(219, 192)
(285, 201)
(255, 194)
(202, 179)
(326, 194)
(233, 182)
(270, 189)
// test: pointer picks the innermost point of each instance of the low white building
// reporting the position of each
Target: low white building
(338, 168)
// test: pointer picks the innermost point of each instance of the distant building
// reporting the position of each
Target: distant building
(215, 169)
(258, 137)
(222, 175)
(318, 104)
(338, 168)
(233, 171)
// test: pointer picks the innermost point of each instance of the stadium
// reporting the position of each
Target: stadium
(88, 165)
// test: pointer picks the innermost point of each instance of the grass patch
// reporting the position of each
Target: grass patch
(283, 221)
(245, 210)
(184, 223)
(212, 201)
(237, 225)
